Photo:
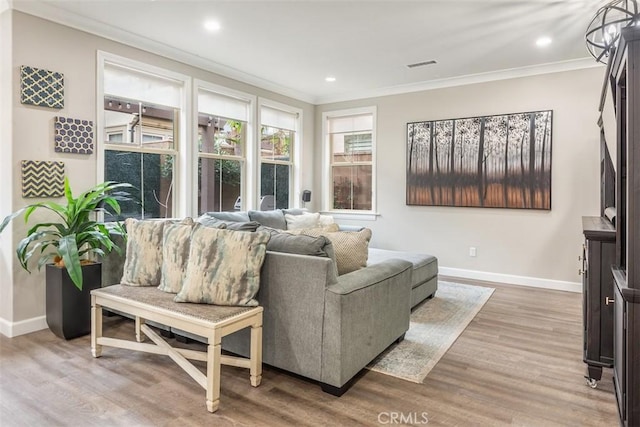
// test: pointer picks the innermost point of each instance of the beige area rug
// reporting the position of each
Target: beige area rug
(435, 326)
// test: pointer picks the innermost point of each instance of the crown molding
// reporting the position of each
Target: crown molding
(52, 13)
(512, 73)
(5, 5)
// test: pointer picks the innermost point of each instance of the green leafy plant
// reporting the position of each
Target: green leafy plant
(77, 236)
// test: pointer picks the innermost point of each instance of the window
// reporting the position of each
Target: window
(278, 136)
(350, 158)
(141, 116)
(224, 136)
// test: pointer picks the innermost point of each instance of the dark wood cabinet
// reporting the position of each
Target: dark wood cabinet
(597, 291)
(623, 82)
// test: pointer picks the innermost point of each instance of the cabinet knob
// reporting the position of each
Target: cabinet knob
(608, 300)
(579, 272)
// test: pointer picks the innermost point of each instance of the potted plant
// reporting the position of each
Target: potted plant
(68, 246)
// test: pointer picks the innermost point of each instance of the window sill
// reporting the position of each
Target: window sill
(358, 216)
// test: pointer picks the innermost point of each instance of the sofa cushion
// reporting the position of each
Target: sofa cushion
(143, 262)
(425, 266)
(209, 221)
(240, 216)
(176, 243)
(350, 247)
(274, 219)
(298, 244)
(304, 220)
(224, 267)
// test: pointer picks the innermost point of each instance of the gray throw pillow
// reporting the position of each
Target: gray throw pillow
(230, 216)
(176, 244)
(224, 267)
(143, 262)
(273, 219)
(209, 221)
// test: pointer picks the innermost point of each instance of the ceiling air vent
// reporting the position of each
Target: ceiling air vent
(422, 64)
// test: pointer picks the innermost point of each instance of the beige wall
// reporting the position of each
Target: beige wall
(6, 186)
(535, 244)
(44, 44)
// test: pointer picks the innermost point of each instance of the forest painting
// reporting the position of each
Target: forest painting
(501, 161)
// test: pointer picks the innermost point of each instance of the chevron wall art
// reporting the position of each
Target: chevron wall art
(42, 178)
(41, 87)
(73, 135)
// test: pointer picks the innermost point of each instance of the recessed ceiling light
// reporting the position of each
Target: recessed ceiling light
(330, 79)
(211, 25)
(543, 41)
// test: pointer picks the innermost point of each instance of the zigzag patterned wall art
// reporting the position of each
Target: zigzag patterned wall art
(73, 135)
(41, 87)
(42, 178)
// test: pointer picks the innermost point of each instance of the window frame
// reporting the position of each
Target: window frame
(248, 178)
(328, 164)
(295, 157)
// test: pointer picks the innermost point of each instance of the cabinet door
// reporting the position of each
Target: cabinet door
(619, 353)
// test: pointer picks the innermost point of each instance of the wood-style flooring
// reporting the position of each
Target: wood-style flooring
(519, 362)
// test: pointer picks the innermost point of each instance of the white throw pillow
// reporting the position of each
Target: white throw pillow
(306, 220)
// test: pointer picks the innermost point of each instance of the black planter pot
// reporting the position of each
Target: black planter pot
(69, 309)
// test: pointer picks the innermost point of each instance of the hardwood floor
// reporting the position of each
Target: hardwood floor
(519, 362)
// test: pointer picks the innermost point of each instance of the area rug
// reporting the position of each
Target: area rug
(434, 327)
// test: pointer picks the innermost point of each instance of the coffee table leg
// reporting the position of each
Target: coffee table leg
(213, 375)
(256, 353)
(96, 327)
(139, 322)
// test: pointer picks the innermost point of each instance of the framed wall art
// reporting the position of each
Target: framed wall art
(500, 161)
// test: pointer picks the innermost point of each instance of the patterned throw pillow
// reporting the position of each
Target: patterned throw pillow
(224, 267)
(175, 254)
(351, 248)
(143, 263)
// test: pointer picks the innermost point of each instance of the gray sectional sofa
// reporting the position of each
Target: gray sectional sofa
(323, 326)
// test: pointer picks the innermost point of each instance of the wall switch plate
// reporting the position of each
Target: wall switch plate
(472, 251)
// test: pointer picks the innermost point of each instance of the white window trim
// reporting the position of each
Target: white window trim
(249, 180)
(295, 187)
(326, 166)
(181, 180)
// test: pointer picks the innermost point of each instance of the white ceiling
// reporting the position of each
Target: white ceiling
(291, 46)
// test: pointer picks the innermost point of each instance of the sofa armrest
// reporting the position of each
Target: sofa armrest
(365, 312)
(369, 276)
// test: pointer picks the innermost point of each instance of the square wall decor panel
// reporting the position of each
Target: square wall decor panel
(73, 135)
(42, 178)
(41, 87)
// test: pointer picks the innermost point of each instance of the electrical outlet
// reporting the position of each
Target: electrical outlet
(472, 251)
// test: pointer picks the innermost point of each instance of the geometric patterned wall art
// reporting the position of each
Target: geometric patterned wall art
(41, 87)
(42, 178)
(73, 135)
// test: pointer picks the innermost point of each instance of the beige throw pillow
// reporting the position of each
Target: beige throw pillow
(143, 263)
(176, 244)
(351, 248)
(224, 267)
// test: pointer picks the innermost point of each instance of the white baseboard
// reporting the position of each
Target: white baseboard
(510, 279)
(22, 327)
